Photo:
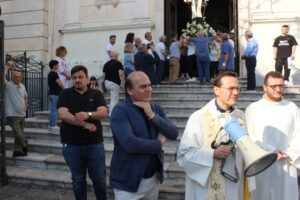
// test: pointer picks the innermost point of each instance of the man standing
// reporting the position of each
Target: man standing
(174, 64)
(15, 109)
(162, 52)
(140, 128)
(284, 48)
(148, 38)
(205, 146)
(110, 47)
(226, 62)
(81, 108)
(273, 123)
(249, 56)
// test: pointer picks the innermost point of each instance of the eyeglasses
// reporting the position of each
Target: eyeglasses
(231, 89)
(274, 87)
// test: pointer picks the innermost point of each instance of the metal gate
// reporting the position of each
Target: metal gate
(32, 73)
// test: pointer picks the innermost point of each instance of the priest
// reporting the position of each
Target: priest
(274, 124)
(213, 166)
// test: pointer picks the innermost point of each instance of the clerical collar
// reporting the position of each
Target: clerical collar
(221, 109)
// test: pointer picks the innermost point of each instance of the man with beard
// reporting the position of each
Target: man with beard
(273, 123)
(81, 108)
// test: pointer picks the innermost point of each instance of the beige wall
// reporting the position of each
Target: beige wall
(265, 18)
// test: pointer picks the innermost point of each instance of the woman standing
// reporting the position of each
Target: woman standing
(128, 59)
(63, 73)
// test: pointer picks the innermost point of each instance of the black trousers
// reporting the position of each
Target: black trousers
(250, 66)
(278, 67)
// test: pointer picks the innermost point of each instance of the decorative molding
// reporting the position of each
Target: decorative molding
(267, 17)
(109, 25)
(100, 3)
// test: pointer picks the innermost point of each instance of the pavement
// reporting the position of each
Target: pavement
(22, 192)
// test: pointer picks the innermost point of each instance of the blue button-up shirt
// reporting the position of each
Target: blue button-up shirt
(251, 48)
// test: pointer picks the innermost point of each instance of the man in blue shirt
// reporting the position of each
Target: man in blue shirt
(202, 53)
(140, 128)
(226, 62)
(249, 56)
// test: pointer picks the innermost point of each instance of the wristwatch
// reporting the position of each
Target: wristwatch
(90, 115)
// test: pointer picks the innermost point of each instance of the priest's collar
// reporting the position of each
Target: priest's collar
(221, 109)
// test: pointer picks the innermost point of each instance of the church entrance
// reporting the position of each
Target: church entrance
(220, 14)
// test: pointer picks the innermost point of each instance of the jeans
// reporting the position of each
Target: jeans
(250, 66)
(82, 157)
(160, 71)
(53, 110)
(203, 67)
(17, 125)
(114, 94)
(127, 71)
(278, 67)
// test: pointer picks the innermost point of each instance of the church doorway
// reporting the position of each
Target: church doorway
(220, 14)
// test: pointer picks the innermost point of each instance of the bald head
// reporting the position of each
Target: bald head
(138, 86)
(16, 77)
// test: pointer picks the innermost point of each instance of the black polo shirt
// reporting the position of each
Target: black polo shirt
(76, 102)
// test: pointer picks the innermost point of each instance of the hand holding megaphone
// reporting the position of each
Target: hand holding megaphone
(256, 159)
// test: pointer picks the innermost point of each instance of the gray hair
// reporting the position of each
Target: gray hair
(249, 33)
(162, 38)
(142, 48)
(225, 37)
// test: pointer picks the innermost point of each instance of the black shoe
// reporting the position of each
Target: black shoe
(25, 150)
(18, 154)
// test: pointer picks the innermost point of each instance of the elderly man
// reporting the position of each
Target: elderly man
(249, 56)
(273, 123)
(140, 128)
(226, 62)
(205, 146)
(15, 109)
(81, 108)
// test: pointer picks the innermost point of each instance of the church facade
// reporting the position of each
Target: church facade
(84, 26)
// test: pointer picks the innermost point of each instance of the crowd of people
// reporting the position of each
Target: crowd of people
(140, 127)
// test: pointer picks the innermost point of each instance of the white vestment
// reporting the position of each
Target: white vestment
(195, 155)
(276, 126)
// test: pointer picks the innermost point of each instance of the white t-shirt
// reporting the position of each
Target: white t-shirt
(109, 48)
(159, 48)
(191, 49)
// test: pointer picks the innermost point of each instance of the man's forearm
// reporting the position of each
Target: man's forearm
(68, 117)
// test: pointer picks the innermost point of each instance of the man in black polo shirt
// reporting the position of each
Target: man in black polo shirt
(80, 109)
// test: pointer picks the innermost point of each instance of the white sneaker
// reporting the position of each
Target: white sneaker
(54, 129)
(194, 79)
(189, 80)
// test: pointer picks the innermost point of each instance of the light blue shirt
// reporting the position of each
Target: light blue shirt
(174, 49)
(251, 48)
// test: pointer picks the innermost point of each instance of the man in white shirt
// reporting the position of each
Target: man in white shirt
(148, 38)
(162, 52)
(110, 47)
(273, 123)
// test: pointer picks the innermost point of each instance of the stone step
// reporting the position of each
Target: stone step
(172, 172)
(45, 134)
(55, 147)
(62, 179)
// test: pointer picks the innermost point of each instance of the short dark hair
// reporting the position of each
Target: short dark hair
(285, 26)
(272, 74)
(52, 63)
(78, 68)
(112, 36)
(93, 78)
(128, 85)
(60, 49)
(217, 82)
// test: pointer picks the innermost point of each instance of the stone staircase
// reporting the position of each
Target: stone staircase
(44, 166)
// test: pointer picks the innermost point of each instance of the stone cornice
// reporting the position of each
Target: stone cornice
(113, 25)
(266, 17)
